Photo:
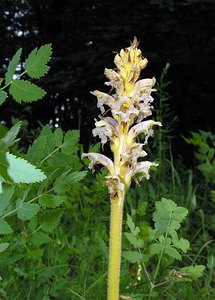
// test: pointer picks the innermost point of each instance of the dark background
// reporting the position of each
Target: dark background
(85, 34)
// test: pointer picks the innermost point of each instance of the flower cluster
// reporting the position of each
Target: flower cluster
(130, 102)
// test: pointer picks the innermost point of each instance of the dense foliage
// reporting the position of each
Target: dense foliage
(54, 217)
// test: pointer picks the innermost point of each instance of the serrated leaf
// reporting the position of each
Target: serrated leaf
(10, 137)
(137, 243)
(18, 170)
(172, 252)
(40, 238)
(25, 91)
(32, 225)
(5, 198)
(193, 271)
(3, 96)
(130, 223)
(134, 229)
(132, 256)
(26, 211)
(182, 244)
(5, 227)
(173, 233)
(95, 148)
(62, 160)
(70, 142)
(50, 219)
(3, 246)
(168, 217)
(51, 201)
(66, 180)
(37, 151)
(36, 63)
(58, 137)
(12, 66)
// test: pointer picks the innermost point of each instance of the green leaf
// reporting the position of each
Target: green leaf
(26, 211)
(65, 181)
(130, 223)
(193, 271)
(37, 151)
(4, 227)
(36, 63)
(134, 230)
(62, 160)
(172, 252)
(132, 256)
(51, 201)
(168, 217)
(40, 238)
(18, 170)
(12, 66)
(32, 225)
(50, 219)
(71, 139)
(155, 248)
(3, 130)
(137, 243)
(95, 148)
(3, 96)
(3, 246)
(58, 137)
(182, 244)
(25, 91)
(5, 198)
(10, 137)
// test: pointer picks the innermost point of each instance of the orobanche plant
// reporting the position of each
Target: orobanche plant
(129, 102)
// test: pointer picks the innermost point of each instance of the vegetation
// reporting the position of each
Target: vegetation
(54, 216)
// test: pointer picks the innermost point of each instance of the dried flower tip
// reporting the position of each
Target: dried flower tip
(129, 63)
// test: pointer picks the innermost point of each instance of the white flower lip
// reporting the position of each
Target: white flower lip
(143, 127)
(97, 158)
(143, 168)
(103, 99)
(106, 128)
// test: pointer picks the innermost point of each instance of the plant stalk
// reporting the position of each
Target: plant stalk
(115, 246)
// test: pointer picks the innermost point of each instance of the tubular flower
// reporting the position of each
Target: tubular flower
(129, 102)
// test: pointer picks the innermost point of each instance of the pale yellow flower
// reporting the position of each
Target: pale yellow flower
(129, 102)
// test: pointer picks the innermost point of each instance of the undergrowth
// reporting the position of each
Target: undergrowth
(54, 233)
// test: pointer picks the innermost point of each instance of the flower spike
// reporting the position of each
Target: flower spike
(129, 102)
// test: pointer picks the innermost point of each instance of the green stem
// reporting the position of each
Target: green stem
(9, 83)
(115, 246)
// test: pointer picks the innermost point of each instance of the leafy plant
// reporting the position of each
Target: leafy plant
(13, 168)
(54, 216)
(35, 67)
(205, 154)
(163, 242)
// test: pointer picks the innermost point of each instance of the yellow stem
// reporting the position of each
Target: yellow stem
(115, 246)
